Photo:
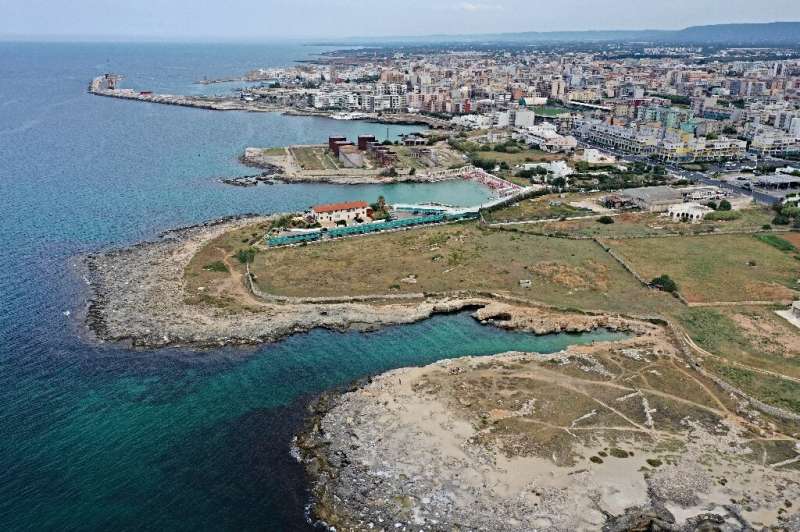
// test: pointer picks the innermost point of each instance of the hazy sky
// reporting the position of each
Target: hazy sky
(269, 19)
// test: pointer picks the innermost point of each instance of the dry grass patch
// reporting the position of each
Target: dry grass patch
(214, 275)
(793, 238)
(550, 207)
(715, 268)
(314, 158)
(640, 224)
(458, 257)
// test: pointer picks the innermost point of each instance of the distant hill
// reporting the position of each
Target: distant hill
(771, 33)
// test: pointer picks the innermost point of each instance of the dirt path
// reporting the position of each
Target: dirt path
(237, 282)
(739, 364)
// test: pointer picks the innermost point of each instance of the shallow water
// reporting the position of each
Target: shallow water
(98, 437)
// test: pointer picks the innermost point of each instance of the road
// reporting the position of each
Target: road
(700, 177)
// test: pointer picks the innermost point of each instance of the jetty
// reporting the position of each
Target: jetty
(108, 85)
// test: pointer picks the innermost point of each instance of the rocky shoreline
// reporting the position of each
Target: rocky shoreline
(458, 445)
(137, 294)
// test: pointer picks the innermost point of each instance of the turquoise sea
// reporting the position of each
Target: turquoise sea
(101, 437)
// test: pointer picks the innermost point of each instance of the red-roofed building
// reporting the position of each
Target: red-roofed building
(336, 213)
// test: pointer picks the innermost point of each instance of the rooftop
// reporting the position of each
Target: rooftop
(346, 205)
(653, 194)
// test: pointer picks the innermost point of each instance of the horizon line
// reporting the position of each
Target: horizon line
(321, 39)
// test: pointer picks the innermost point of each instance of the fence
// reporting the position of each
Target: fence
(341, 232)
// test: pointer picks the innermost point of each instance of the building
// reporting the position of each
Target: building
(653, 199)
(555, 169)
(688, 212)
(593, 156)
(364, 140)
(770, 141)
(524, 118)
(333, 140)
(545, 138)
(414, 139)
(702, 193)
(340, 213)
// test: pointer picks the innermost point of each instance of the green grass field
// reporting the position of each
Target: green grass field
(772, 390)
(754, 336)
(717, 267)
(550, 111)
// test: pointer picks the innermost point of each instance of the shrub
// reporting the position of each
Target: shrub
(781, 220)
(605, 220)
(246, 255)
(722, 215)
(777, 242)
(618, 453)
(216, 266)
(724, 205)
(665, 283)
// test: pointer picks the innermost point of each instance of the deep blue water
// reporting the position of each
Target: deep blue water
(100, 437)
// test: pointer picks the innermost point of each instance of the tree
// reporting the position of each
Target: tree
(724, 205)
(246, 255)
(665, 283)
(605, 220)
(413, 171)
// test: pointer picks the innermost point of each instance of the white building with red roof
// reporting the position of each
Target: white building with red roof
(336, 213)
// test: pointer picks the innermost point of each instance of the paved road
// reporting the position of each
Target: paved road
(700, 177)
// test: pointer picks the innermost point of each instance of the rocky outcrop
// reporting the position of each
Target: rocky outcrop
(137, 295)
(574, 441)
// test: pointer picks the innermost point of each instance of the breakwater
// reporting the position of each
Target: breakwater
(106, 86)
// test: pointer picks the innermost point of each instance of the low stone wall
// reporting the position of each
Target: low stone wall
(761, 406)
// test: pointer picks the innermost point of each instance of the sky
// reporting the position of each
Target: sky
(320, 19)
